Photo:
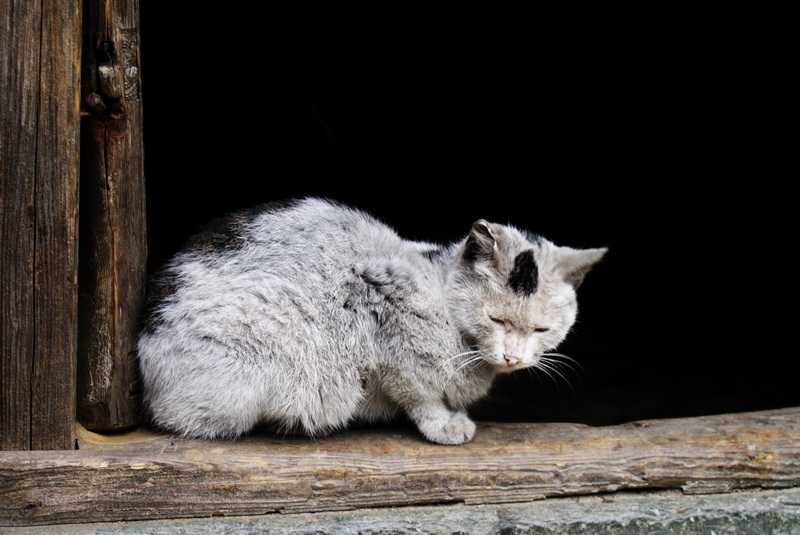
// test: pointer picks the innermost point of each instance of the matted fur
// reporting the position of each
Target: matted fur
(310, 315)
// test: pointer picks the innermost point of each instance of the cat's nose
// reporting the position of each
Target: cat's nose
(511, 360)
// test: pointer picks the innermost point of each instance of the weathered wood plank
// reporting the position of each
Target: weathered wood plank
(40, 160)
(18, 101)
(113, 246)
(170, 478)
(53, 383)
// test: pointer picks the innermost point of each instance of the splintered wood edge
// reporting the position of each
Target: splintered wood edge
(143, 475)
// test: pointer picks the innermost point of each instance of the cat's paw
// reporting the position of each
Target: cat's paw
(457, 429)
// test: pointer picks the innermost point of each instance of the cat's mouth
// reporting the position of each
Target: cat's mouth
(511, 362)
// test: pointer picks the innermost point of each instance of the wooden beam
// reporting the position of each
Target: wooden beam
(113, 233)
(39, 167)
(17, 173)
(151, 476)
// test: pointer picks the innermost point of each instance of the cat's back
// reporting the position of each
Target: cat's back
(313, 227)
(293, 238)
(308, 248)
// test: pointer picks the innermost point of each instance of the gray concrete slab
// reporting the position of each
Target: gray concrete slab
(774, 512)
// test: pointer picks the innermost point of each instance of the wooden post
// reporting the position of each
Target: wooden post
(39, 164)
(113, 247)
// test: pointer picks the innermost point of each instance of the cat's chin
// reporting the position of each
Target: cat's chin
(504, 366)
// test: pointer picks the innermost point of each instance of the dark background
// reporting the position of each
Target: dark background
(656, 134)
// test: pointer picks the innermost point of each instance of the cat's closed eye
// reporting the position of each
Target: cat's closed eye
(501, 323)
(507, 325)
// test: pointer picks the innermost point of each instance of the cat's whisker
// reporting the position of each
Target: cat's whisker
(459, 355)
(550, 368)
(538, 371)
(568, 365)
(565, 357)
(558, 367)
(555, 376)
(468, 357)
(533, 372)
(471, 358)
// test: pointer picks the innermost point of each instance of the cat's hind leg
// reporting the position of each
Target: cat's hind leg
(204, 409)
(311, 397)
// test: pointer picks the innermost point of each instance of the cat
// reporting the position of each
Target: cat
(310, 315)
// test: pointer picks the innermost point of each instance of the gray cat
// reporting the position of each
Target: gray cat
(311, 315)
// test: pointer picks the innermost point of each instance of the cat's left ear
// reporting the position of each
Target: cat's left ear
(574, 264)
(481, 243)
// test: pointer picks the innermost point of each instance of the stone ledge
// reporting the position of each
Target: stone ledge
(662, 512)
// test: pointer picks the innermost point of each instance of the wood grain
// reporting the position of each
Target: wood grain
(163, 477)
(113, 228)
(39, 168)
(17, 179)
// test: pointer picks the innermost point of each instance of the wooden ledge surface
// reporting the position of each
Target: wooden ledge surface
(145, 476)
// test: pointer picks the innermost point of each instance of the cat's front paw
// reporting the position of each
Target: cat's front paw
(457, 429)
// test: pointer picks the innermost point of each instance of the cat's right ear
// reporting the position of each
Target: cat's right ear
(481, 243)
(574, 264)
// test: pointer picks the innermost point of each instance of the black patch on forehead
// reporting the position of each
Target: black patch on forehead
(524, 277)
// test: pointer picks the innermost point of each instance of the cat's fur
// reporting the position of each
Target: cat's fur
(311, 315)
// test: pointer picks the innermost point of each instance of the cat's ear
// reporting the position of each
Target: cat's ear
(481, 242)
(574, 264)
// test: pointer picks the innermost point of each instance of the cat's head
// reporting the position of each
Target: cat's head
(512, 294)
